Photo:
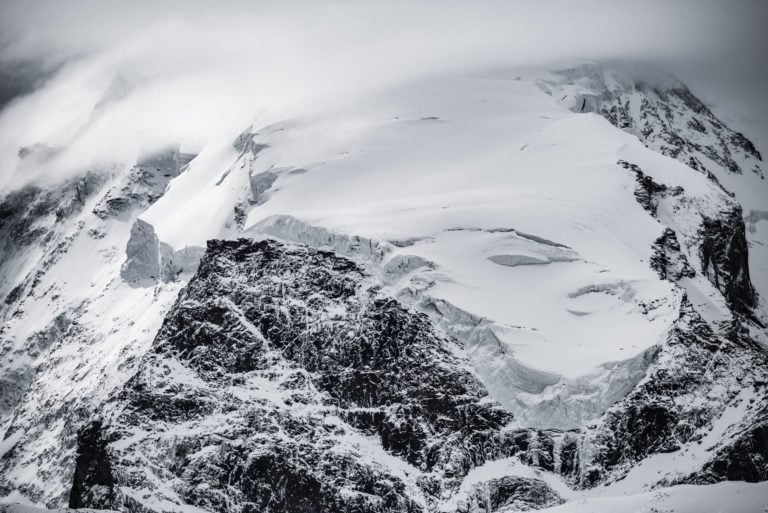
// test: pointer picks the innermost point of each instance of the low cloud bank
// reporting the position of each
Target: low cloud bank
(108, 81)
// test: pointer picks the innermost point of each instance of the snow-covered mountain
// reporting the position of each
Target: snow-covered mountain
(496, 291)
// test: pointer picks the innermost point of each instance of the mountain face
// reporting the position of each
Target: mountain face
(484, 293)
(664, 115)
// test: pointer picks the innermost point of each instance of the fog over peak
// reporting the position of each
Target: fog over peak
(111, 80)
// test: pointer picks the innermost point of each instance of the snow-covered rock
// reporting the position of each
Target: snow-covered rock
(484, 292)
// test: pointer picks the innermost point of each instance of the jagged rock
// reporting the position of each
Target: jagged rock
(245, 143)
(291, 353)
(143, 185)
(659, 414)
(142, 254)
(721, 242)
(260, 184)
(339, 361)
(744, 459)
(286, 379)
(511, 493)
(661, 111)
(93, 484)
(23, 508)
(35, 218)
(647, 191)
(149, 260)
(725, 259)
(23, 213)
(667, 259)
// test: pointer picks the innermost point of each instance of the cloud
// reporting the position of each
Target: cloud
(137, 76)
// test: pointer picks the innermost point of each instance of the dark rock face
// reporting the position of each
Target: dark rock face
(281, 380)
(31, 218)
(24, 213)
(646, 191)
(722, 246)
(658, 415)
(513, 492)
(746, 459)
(143, 185)
(93, 484)
(695, 361)
(725, 260)
(663, 113)
(291, 379)
(726, 140)
(667, 259)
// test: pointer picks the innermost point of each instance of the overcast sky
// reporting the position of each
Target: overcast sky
(193, 71)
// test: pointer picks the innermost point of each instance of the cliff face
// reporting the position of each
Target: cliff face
(281, 379)
(720, 242)
(725, 259)
(662, 112)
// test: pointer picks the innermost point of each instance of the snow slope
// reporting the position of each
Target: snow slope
(728, 497)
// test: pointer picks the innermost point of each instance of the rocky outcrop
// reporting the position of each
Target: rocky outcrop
(660, 415)
(744, 459)
(148, 260)
(37, 224)
(647, 191)
(511, 493)
(668, 260)
(282, 380)
(26, 214)
(260, 184)
(143, 185)
(326, 377)
(720, 242)
(662, 112)
(61, 261)
(93, 483)
(245, 143)
(296, 386)
(142, 254)
(696, 361)
(725, 259)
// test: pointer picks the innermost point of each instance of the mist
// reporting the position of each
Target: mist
(106, 82)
